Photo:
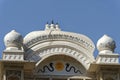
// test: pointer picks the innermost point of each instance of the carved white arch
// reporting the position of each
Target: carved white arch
(37, 37)
(43, 50)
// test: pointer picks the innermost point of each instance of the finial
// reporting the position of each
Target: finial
(52, 26)
(57, 26)
(106, 43)
(13, 39)
(47, 26)
(47, 22)
(52, 22)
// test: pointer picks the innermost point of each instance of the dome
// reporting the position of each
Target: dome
(13, 39)
(106, 43)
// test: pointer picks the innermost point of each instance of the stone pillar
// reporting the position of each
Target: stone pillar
(101, 78)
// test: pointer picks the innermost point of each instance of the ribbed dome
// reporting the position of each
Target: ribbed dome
(13, 39)
(106, 43)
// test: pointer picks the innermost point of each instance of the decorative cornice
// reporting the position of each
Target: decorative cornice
(64, 37)
(108, 59)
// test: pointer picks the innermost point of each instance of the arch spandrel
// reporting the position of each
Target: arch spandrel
(62, 65)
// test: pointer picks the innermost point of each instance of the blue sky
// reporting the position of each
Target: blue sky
(93, 18)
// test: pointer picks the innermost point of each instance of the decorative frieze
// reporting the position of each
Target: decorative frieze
(13, 57)
(108, 60)
(114, 58)
(59, 67)
(84, 59)
(77, 40)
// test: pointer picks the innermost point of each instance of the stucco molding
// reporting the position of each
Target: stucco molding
(44, 50)
(84, 42)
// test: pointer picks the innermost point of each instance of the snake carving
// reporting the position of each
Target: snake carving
(69, 68)
(50, 68)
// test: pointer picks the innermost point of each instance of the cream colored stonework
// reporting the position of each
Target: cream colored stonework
(52, 54)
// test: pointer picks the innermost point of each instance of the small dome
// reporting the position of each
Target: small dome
(13, 39)
(106, 43)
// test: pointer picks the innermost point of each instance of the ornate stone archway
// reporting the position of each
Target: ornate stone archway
(44, 45)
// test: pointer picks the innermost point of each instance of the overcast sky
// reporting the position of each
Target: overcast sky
(93, 18)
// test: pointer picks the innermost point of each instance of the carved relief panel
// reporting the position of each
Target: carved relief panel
(13, 75)
(110, 75)
(59, 66)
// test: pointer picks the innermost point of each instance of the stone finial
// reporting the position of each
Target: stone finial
(57, 26)
(52, 26)
(52, 22)
(106, 43)
(47, 26)
(13, 40)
